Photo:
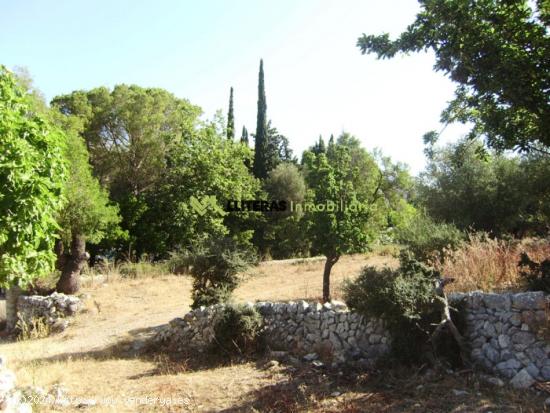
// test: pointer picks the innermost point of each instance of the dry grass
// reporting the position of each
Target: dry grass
(490, 264)
(94, 359)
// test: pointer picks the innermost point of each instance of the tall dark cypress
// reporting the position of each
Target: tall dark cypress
(230, 118)
(244, 136)
(260, 145)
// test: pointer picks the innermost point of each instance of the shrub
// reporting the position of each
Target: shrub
(214, 265)
(427, 239)
(535, 274)
(238, 330)
(404, 298)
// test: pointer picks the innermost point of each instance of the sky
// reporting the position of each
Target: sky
(317, 81)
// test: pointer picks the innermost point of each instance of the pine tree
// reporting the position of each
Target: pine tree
(244, 136)
(230, 118)
(261, 145)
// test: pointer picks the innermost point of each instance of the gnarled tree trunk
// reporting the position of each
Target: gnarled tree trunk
(69, 282)
(329, 263)
(12, 294)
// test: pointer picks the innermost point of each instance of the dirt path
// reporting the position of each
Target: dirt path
(86, 358)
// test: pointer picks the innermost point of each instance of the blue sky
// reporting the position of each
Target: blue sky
(317, 82)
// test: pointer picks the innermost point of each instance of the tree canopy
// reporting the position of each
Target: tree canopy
(498, 53)
(32, 174)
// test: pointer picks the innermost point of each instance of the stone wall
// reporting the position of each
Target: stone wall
(53, 309)
(298, 327)
(11, 400)
(509, 334)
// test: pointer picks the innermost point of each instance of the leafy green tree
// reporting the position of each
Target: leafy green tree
(285, 231)
(32, 172)
(497, 193)
(497, 53)
(336, 231)
(86, 216)
(129, 132)
(260, 168)
(230, 118)
(203, 164)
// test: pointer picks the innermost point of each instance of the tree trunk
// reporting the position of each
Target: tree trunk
(12, 294)
(69, 282)
(329, 263)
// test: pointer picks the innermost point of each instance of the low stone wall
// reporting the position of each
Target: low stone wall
(298, 327)
(10, 398)
(509, 334)
(53, 309)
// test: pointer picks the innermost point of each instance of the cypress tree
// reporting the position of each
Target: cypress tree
(260, 145)
(244, 136)
(230, 118)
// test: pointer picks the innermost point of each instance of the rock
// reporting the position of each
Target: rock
(495, 381)
(311, 357)
(317, 363)
(271, 364)
(523, 338)
(497, 301)
(60, 325)
(460, 392)
(503, 341)
(533, 300)
(545, 373)
(522, 380)
(335, 394)
(547, 402)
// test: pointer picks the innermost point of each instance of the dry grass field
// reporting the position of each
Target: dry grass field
(98, 358)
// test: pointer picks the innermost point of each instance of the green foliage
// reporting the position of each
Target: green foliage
(32, 174)
(215, 264)
(238, 330)
(230, 118)
(286, 231)
(403, 298)
(259, 167)
(350, 175)
(535, 274)
(427, 239)
(129, 132)
(498, 194)
(497, 53)
(87, 211)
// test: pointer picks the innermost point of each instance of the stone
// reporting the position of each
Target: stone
(503, 341)
(495, 381)
(532, 370)
(311, 357)
(460, 392)
(545, 373)
(522, 380)
(515, 319)
(523, 338)
(533, 300)
(497, 301)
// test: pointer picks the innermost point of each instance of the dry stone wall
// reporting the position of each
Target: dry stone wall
(53, 309)
(299, 327)
(509, 334)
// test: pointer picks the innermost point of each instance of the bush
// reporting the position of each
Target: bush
(238, 331)
(427, 239)
(405, 299)
(214, 265)
(535, 274)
